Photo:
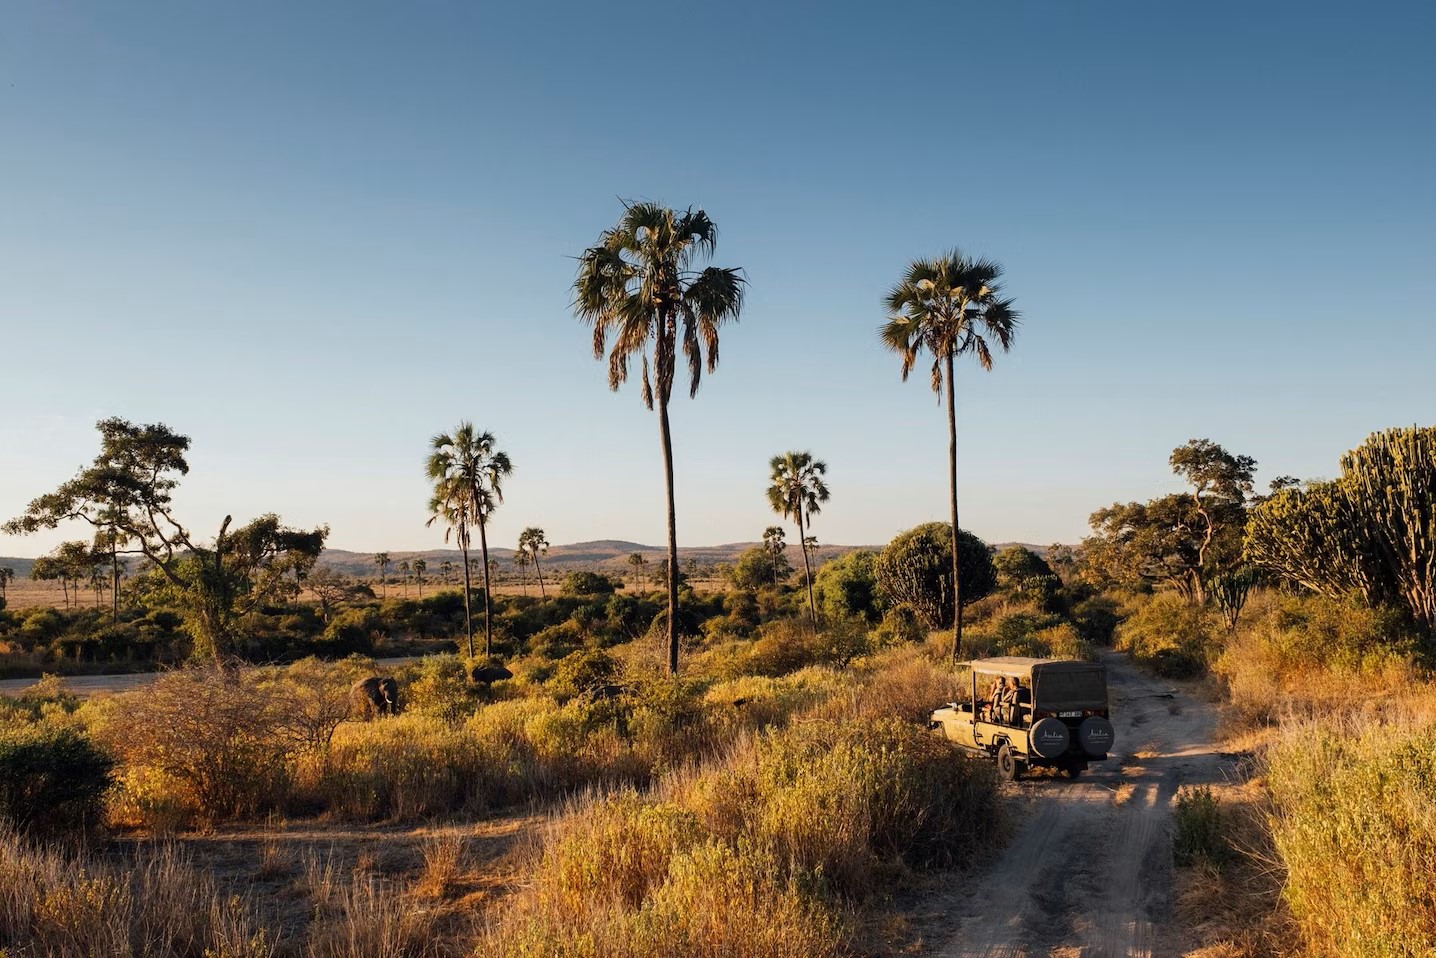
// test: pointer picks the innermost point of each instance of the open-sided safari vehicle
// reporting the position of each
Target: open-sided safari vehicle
(1032, 713)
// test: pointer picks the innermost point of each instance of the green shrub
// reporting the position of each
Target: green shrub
(847, 587)
(583, 584)
(1200, 833)
(1170, 636)
(52, 779)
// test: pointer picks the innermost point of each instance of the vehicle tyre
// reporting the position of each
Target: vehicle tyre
(1006, 764)
(1049, 738)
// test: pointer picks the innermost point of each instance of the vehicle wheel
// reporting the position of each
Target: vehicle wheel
(1006, 764)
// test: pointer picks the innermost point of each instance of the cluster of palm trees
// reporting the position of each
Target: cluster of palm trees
(644, 290)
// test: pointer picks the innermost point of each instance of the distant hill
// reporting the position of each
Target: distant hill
(21, 566)
(602, 555)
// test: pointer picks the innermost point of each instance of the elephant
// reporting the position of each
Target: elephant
(374, 696)
(487, 674)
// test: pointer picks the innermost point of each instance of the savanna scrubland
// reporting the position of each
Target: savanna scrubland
(744, 772)
(776, 796)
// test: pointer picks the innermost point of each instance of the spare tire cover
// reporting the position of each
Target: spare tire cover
(1096, 735)
(1049, 738)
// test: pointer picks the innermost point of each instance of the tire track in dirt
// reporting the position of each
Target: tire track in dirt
(1089, 872)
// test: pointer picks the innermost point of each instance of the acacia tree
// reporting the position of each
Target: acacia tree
(639, 286)
(468, 473)
(533, 542)
(128, 489)
(1185, 539)
(796, 491)
(774, 545)
(949, 306)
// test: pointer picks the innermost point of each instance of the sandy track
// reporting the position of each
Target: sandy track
(1089, 873)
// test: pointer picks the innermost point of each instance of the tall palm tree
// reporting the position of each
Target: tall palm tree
(796, 490)
(468, 473)
(404, 568)
(420, 567)
(7, 575)
(381, 559)
(533, 541)
(636, 562)
(949, 306)
(773, 542)
(446, 571)
(522, 560)
(641, 286)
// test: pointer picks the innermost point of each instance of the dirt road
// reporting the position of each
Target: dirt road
(1088, 873)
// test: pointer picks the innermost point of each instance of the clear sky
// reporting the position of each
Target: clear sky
(310, 235)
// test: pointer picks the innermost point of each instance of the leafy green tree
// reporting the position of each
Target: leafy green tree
(533, 541)
(751, 570)
(639, 286)
(949, 306)
(129, 489)
(916, 568)
(797, 491)
(773, 537)
(1182, 540)
(381, 559)
(467, 472)
(420, 567)
(1023, 572)
(847, 587)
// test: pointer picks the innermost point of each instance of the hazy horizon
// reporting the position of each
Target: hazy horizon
(311, 237)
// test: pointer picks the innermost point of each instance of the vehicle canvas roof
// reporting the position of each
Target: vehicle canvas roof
(1019, 665)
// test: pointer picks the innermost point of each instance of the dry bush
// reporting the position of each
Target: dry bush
(1298, 657)
(1354, 821)
(63, 905)
(217, 732)
(367, 919)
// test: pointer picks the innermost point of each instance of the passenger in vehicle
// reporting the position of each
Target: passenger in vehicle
(1021, 703)
(1007, 709)
(996, 696)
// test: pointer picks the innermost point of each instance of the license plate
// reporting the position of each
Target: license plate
(1069, 714)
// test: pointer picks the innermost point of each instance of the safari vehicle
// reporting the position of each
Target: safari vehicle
(1055, 715)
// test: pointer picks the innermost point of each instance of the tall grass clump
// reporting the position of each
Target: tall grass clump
(61, 904)
(1354, 820)
(1302, 656)
(767, 851)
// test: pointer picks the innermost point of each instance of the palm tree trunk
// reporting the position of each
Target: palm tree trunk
(488, 603)
(538, 569)
(667, 440)
(468, 587)
(952, 488)
(807, 569)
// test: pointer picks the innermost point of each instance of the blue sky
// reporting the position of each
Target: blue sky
(311, 235)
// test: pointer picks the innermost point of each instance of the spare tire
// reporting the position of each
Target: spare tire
(1096, 735)
(1049, 738)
